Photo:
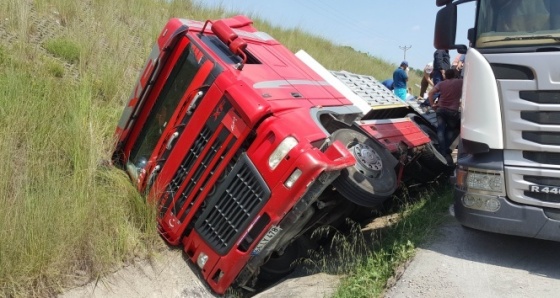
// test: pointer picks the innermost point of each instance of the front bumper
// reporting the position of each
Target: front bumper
(510, 218)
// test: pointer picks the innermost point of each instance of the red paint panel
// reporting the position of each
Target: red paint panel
(391, 134)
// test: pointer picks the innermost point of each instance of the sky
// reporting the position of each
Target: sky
(392, 30)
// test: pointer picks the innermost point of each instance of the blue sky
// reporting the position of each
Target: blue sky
(380, 28)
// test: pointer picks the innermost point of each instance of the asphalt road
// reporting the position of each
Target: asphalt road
(463, 262)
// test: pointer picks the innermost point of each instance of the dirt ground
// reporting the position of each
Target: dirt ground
(171, 275)
(458, 262)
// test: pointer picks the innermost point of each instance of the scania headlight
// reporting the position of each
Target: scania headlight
(483, 188)
(281, 151)
(482, 180)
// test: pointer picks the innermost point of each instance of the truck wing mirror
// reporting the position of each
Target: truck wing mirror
(446, 29)
(440, 3)
(225, 34)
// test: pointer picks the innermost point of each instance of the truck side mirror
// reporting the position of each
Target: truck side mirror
(223, 32)
(235, 43)
(440, 3)
(446, 29)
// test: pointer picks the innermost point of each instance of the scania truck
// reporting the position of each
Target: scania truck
(508, 174)
(244, 147)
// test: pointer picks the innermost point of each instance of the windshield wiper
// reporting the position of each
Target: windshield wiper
(555, 38)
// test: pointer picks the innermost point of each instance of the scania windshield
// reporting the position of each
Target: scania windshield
(517, 23)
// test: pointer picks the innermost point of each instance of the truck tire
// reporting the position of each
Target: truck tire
(420, 173)
(430, 132)
(431, 156)
(279, 266)
(431, 162)
(429, 166)
(373, 178)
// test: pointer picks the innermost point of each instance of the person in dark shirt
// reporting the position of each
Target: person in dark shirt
(447, 110)
(388, 83)
(441, 64)
(400, 79)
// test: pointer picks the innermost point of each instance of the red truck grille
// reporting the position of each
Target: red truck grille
(231, 209)
(237, 194)
(184, 168)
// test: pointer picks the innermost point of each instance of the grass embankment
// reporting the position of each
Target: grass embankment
(66, 70)
(372, 258)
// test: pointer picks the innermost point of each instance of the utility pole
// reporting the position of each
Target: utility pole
(405, 48)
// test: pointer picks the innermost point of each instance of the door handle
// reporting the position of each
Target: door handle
(152, 176)
(171, 139)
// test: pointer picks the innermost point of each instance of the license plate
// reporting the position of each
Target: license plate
(545, 189)
(266, 239)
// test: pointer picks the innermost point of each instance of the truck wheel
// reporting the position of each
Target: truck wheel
(430, 132)
(279, 266)
(373, 178)
(431, 158)
(429, 166)
(420, 173)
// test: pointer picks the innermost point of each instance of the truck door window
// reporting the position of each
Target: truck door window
(178, 82)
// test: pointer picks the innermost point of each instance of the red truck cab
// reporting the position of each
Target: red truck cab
(231, 135)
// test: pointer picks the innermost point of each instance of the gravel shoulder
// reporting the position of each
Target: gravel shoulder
(463, 262)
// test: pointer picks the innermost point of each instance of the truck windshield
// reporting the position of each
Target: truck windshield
(517, 23)
(174, 89)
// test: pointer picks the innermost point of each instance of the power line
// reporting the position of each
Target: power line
(405, 48)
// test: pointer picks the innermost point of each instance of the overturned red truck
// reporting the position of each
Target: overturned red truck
(246, 147)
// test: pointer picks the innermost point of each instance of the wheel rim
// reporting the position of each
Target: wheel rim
(372, 179)
(368, 161)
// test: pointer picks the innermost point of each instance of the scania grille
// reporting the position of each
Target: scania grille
(539, 113)
(528, 186)
(232, 207)
(542, 157)
(553, 182)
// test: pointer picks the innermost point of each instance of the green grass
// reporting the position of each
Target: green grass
(63, 48)
(368, 259)
(66, 70)
(377, 260)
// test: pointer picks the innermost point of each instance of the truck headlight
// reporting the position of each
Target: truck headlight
(482, 188)
(201, 260)
(479, 180)
(481, 202)
(281, 151)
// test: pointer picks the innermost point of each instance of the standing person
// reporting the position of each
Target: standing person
(447, 110)
(426, 80)
(458, 64)
(441, 64)
(400, 78)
